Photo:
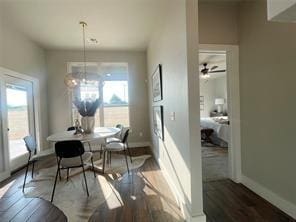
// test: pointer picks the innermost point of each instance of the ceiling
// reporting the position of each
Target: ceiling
(213, 59)
(116, 24)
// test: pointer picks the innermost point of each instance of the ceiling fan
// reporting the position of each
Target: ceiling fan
(206, 71)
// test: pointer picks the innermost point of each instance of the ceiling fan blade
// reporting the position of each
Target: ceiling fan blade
(214, 67)
(222, 70)
(204, 71)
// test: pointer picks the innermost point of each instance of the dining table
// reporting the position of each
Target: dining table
(99, 135)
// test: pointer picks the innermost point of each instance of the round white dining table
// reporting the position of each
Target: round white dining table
(100, 133)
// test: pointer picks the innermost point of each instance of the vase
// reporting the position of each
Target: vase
(88, 124)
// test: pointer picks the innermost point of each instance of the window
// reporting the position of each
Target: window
(112, 85)
(116, 108)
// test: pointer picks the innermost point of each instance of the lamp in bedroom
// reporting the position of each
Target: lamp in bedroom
(219, 102)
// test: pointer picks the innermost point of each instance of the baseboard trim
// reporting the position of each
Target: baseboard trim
(178, 196)
(4, 176)
(139, 144)
(284, 205)
(200, 218)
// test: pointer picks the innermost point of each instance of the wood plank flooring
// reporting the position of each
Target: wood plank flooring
(143, 196)
(17, 208)
(226, 201)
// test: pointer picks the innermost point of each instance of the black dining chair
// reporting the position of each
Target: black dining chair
(118, 136)
(71, 154)
(71, 128)
(115, 147)
(31, 146)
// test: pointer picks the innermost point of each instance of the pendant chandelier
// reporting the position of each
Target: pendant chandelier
(72, 79)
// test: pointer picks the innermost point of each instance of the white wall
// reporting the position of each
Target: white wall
(218, 22)
(19, 54)
(221, 90)
(212, 89)
(177, 155)
(58, 99)
(267, 83)
(207, 90)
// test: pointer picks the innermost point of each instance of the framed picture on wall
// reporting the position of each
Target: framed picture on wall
(158, 121)
(157, 84)
(202, 103)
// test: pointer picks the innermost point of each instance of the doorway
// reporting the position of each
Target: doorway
(20, 118)
(214, 121)
(19, 115)
(231, 102)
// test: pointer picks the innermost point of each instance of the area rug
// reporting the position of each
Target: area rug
(214, 163)
(70, 196)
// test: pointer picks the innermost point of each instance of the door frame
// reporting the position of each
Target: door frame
(3, 118)
(233, 102)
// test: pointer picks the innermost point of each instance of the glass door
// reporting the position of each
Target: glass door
(20, 118)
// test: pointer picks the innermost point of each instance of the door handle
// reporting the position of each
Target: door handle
(8, 129)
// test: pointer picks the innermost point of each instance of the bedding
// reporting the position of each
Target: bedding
(220, 125)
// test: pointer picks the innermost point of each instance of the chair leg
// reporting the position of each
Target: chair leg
(101, 150)
(92, 163)
(129, 152)
(110, 155)
(33, 166)
(89, 146)
(55, 182)
(68, 173)
(85, 180)
(104, 160)
(25, 176)
(125, 155)
(59, 170)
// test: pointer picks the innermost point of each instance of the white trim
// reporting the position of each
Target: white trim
(233, 93)
(200, 218)
(284, 205)
(37, 117)
(36, 95)
(177, 195)
(139, 144)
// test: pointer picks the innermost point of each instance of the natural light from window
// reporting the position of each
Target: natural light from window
(113, 87)
(18, 119)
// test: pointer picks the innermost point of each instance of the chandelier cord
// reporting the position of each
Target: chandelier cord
(84, 54)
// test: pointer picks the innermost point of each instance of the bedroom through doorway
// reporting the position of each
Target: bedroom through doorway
(214, 121)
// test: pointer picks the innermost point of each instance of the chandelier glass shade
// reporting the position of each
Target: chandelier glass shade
(72, 80)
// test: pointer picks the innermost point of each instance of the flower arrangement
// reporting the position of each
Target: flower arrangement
(87, 107)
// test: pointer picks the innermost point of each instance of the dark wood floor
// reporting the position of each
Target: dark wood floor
(225, 200)
(15, 207)
(144, 196)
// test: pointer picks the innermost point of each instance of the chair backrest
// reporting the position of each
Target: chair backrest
(30, 144)
(125, 135)
(71, 128)
(69, 149)
(119, 134)
(119, 126)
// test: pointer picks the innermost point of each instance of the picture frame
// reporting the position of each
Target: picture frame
(157, 84)
(202, 103)
(158, 125)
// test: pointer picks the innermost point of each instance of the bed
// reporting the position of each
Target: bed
(220, 125)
